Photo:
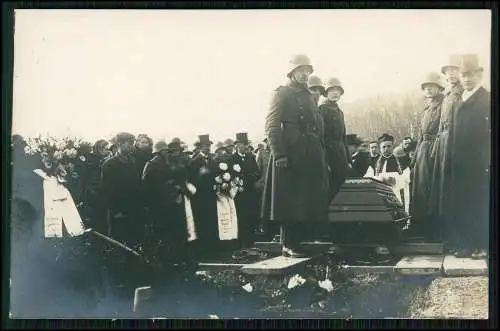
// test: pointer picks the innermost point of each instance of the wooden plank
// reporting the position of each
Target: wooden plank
(420, 265)
(275, 265)
(221, 266)
(454, 266)
(369, 268)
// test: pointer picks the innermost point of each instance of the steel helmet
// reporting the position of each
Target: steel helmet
(432, 78)
(333, 82)
(298, 60)
(314, 81)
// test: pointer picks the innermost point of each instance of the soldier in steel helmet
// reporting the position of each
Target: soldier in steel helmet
(296, 190)
(315, 85)
(337, 153)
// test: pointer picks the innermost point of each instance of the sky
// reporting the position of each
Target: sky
(179, 73)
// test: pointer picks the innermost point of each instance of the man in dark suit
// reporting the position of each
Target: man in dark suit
(360, 160)
(247, 202)
(470, 166)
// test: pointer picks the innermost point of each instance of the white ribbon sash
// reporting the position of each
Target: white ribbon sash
(59, 207)
(227, 218)
(189, 220)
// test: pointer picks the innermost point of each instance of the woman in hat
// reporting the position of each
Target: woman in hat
(335, 135)
(423, 181)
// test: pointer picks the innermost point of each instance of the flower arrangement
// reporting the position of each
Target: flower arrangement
(63, 158)
(228, 181)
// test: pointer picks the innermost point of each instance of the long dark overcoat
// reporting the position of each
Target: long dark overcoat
(471, 169)
(442, 154)
(423, 171)
(337, 154)
(294, 129)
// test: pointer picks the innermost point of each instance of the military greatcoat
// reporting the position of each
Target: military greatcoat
(295, 129)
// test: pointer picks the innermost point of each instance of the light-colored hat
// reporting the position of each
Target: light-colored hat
(469, 63)
(453, 62)
(432, 78)
(298, 60)
(160, 146)
(333, 82)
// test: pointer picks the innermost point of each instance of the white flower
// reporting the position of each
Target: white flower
(218, 179)
(326, 284)
(60, 145)
(82, 158)
(225, 186)
(72, 153)
(28, 150)
(76, 144)
(296, 280)
(58, 155)
(248, 287)
(191, 188)
(242, 182)
(237, 168)
(226, 176)
(47, 164)
(215, 187)
(223, 166)
(240, 189)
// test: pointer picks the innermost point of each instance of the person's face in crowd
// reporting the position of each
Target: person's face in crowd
(103, 149)
(334, 94)
(451, 74)
(317, 92)
(406, 143)
(301, 74)
(230, 149)
(386, 148)
(373, 149)
(143, 144)
(242, 148)
(220, 152)
(126, 147)
(470, 80)
(205, 149)
(431, 90)
(352, 149)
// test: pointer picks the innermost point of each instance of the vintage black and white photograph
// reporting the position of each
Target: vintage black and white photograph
(222, 164)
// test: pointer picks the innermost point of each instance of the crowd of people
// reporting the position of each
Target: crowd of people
(136, 189)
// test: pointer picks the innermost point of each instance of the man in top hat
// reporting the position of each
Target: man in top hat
(247, 202)
(423, 181)
(296, 191)
(122, 191)
(229, 144)
(442, 149)
(360, 159)
(470, 165)
(204, 202)
(335, 135)
(315, 85)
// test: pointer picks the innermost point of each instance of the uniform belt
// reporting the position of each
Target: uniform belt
(429, 137)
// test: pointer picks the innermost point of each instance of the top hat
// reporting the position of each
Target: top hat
(353, 140)
(469, 63)
(298, 60)
(333, 82)
(432, 78)
(453, 62)
(160, 146)
(203, 140)
(242, 137)
(386, 137)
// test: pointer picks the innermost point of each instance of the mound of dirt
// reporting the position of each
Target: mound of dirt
(460, 297)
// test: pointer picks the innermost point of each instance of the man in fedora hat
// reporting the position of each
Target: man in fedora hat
(442, 150)
(360, 159)
(247, 202)
(335, 135)
(204, 202)
(296, 191)
(470, 165)
(315, 85)
(425, 218)
(122, 191)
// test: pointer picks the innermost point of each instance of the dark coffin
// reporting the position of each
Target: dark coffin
(366, 211)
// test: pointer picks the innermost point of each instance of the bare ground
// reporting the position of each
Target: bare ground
(458, 297)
